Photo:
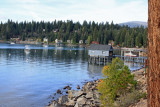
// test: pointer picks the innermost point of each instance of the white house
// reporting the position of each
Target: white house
(80, 41)
(98, 50)
(69, 41)
(45, 39)
(58, 41)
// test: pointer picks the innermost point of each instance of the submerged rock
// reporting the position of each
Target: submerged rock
(59, 91)
(67, 87)
(78, 87)
(54, 104)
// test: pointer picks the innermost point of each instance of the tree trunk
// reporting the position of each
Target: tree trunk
(153, 53)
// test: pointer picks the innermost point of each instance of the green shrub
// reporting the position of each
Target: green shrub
(117, 81)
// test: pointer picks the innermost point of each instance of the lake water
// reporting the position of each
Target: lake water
(30, 74)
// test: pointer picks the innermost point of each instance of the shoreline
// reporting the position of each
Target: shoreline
(88, 95)
(39, 43)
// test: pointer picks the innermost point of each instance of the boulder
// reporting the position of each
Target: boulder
(88, 102)
(76, 105)
(72, 94)
(59, 91)
(54, 104)
(70, 103)
(81, 94)
(75, 94)
(89, 95)
(81, 101)
(87, 87)
(78, 87)
(62, 100)
(67, 87)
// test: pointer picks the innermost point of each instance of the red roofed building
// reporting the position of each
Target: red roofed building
(94, 42)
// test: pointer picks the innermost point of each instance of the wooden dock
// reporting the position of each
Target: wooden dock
(99, 60)
(133, 59)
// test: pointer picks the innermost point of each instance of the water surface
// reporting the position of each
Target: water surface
(30, 74)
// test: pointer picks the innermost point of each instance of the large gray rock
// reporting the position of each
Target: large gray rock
(88, 102)
(89, 95)
(75, 94)
(76, 105)
(72, 94)
(62, 100)
(70, 103)
(54, 104)
(87, 87)
(81, 101)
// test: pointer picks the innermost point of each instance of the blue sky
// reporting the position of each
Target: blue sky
(76, 10)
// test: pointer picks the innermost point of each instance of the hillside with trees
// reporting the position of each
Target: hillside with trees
(68, 30)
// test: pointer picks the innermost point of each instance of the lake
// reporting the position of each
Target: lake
(30, 74)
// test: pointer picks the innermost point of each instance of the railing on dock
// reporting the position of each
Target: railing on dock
(132, 59)
(99, 60)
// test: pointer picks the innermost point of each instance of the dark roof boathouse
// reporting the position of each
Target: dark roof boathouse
(100, 53)
(100, 50)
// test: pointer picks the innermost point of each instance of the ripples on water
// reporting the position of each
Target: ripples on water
(30, 74)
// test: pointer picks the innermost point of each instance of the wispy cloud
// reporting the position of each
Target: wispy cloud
(90, 10)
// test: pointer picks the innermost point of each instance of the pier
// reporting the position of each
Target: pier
(99, 60)
(100, 57)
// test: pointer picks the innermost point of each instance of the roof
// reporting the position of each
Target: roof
(100, 47)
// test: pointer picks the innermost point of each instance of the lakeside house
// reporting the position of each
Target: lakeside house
(58, 41)
(100, 54)
(80, 41)
(69, 41)
(45, 40)
(94, 42)
(98, 50)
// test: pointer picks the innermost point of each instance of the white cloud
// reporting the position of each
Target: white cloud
(90, 10)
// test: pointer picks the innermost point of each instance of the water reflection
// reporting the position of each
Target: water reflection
(27, 51)
(30, 74)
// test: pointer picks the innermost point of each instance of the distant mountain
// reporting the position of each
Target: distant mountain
(134, 24)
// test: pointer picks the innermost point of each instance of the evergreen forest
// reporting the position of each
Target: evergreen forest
(123, 36)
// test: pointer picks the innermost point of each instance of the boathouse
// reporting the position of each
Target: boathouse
(100, 53)
(100, 50)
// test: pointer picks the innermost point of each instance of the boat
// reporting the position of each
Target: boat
(130, 54)
(12, 43)
(27, 47)
(46, 46)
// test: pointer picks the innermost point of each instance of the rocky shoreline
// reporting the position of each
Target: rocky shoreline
(88, 95)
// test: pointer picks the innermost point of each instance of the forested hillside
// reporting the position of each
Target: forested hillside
(91, 31)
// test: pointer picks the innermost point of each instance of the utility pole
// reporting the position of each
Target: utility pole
(153, 72)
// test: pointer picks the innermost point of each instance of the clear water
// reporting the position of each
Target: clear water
(30, 74)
